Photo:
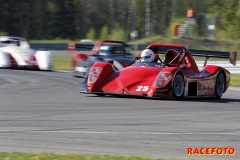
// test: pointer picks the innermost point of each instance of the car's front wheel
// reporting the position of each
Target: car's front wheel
(178, 86)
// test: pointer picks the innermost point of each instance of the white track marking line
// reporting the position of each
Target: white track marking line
(129, 133)
(126, 133)
(141, 133)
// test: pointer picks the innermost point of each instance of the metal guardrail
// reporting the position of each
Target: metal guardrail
(139, 47)
(64, 46)
(47, 46)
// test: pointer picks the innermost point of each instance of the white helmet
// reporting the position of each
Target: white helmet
(147, 55)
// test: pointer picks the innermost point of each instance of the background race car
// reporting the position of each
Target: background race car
(15, 52)
(117, 52)
(177, 76)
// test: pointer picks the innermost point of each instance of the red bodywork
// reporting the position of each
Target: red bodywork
(33, 62)
(143, 80)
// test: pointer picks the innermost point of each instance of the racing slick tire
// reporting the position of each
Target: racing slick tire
(220, 85)
(178, 86)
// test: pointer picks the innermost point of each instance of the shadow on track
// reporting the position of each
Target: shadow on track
(213, 100)
(199, 99)
(26, 69)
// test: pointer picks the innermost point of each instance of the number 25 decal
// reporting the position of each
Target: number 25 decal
(142, 88)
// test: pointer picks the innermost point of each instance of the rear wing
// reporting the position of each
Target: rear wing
(94, 48)
(83, 47)
(232, 56)
(162, 48)
(97, 46)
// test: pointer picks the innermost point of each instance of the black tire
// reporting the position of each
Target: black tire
(220, 85)
(178, 86)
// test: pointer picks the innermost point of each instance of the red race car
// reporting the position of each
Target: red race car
(103, 51)
(177, 76)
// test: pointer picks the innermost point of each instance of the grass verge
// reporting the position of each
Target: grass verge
(235, 80)
(61, 63)
(50, 156)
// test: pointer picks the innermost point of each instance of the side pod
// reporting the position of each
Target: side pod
(43, 59)
(4, 60)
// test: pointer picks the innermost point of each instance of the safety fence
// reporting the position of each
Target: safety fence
(64, 46)
(136, 47)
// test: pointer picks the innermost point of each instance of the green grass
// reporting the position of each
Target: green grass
(50, 156)
(47, 156)
(235, 80)
(61, 63)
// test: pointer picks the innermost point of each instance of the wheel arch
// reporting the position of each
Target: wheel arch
(216, 70)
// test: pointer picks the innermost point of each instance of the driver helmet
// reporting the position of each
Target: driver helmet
(147, 55)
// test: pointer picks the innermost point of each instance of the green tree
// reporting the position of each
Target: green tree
(118, 34)
(91, 34)
(44, 19)
(228, 24)
(104, 33)
(65, 20)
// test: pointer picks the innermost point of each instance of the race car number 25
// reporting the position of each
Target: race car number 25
(142, 88)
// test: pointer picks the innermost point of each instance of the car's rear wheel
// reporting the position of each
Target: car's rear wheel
(220, 85)
(178, 86)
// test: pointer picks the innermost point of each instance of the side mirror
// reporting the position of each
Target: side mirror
(183, 67)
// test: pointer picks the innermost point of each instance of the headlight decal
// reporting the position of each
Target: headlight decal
(162, 79)
(94, 74)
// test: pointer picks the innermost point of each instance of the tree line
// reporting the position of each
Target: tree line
(98, 19)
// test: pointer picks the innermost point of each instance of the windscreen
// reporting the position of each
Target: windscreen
(115, 49)
(9, 43)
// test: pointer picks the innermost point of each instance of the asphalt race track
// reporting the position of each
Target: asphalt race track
(42, 111)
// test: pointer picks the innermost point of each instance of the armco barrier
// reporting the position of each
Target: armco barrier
(64, 46)
(58, 47)
(48, 46)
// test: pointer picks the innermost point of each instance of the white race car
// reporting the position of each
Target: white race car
(15, 52)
